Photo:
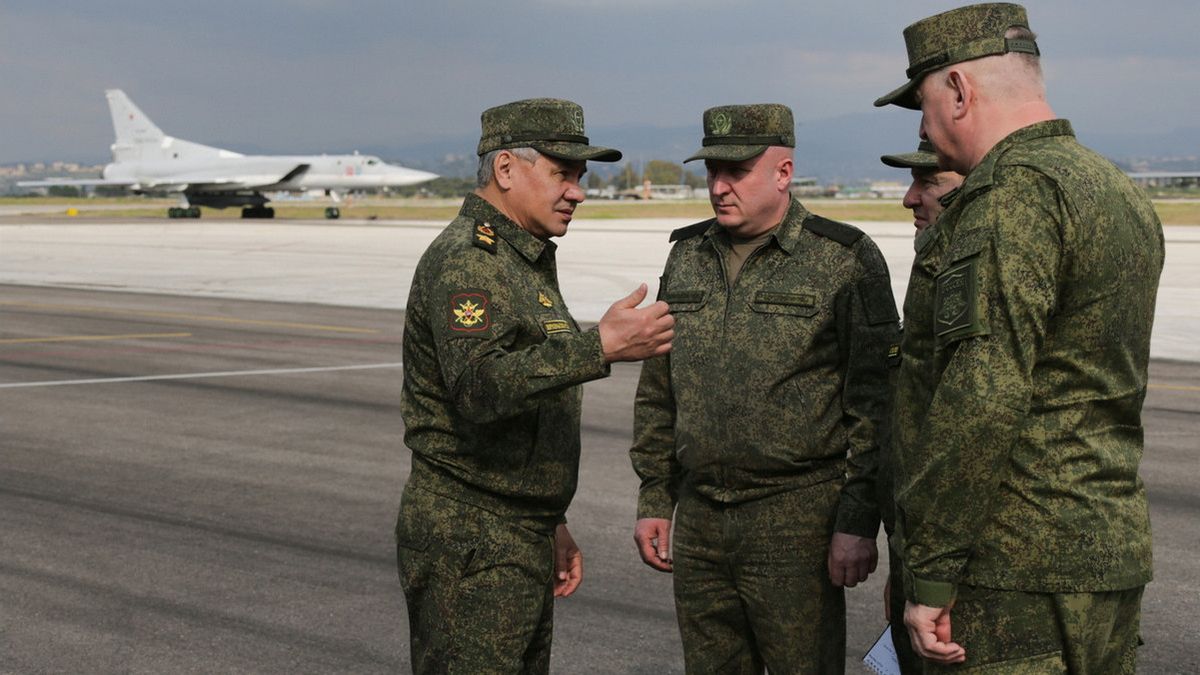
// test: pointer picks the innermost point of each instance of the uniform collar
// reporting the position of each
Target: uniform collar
(787, 234)
(529, 246)
(983, 175)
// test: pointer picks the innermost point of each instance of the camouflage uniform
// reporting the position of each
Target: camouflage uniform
(492, 367)
(762, 424)
(1018, 411)
(910, 662)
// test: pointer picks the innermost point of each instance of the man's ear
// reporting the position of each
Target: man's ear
(964, 92)
(502, 169)
(783, 173)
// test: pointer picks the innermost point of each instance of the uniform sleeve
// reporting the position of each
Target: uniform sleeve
(653, 451)
(868, 328)
(993, 302)
(496, 362)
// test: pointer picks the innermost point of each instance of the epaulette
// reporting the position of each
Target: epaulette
(690, 231)
(484, 237)
(947, 199)
(844, 234)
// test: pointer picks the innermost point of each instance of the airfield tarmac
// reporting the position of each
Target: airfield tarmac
(200, 480)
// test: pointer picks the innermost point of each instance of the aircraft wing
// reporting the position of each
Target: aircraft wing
(229, 178)
(171, 185)
(225, 177)
(75, 182)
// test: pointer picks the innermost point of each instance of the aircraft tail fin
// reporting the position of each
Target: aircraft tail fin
(138, 138)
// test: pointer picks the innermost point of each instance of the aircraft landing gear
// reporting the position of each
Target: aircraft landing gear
(332, 213)
(258, 212)
(183, 212)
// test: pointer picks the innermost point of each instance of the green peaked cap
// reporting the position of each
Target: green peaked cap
(955, 36)
(923, 158)
(738, 132)
(552, 126)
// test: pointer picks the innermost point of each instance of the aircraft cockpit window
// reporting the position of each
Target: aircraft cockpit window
(372, 162)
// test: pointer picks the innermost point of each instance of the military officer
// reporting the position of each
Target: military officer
(756, 437)
(930, 186)
(493, 363)
(930, 189)
(1024, 526)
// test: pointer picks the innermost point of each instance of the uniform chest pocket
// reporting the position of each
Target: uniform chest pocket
(685, 300)
(790, 304)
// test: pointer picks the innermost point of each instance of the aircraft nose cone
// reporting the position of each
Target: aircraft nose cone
(404, 176)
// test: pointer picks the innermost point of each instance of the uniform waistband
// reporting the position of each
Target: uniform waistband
(745, 488)
(429, 477)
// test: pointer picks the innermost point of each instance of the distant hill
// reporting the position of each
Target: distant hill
(843, 149)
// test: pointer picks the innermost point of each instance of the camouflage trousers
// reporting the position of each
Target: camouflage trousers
(910, 662)
(478, 587)
(752, 585)
(1021, 633)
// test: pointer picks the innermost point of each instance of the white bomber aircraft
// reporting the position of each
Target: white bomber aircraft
(145, 160)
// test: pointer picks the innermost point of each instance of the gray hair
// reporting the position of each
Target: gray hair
(483, 175)
(1032, 63)
(1006, 78)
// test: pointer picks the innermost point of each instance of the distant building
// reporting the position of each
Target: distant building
(1176, 179)
(875, 190)
(888, 190)
(807, 186)
(650, 190)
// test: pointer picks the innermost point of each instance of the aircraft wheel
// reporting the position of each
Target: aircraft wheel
(268, 212)
(173, 212)
(193, 212)
(251, 212)
(332, 213)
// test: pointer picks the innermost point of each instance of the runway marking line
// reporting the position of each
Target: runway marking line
(192, 317)
(1174, 387)
(92, 338)
(187, 376)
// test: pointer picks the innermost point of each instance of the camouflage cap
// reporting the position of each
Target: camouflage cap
(923, 158)
(739, 132)
(551, 126)
(959, 35)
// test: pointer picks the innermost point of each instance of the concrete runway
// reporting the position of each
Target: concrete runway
(369, 264)
(208, 484)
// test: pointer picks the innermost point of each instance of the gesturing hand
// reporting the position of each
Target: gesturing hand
(630, 333)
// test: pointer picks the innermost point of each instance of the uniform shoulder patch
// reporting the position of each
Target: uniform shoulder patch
(469, 311)
(846, 235)
(690, 231)
(956, 309)
(484, 237)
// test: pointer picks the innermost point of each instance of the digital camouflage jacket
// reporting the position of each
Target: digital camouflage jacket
(492, 367)
(1018, 408)
(777, 382)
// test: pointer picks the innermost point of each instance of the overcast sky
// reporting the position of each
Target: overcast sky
(331, 75)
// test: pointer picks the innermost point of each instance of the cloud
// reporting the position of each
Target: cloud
(324, 75)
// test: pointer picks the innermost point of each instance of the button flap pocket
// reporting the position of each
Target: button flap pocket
(685, 300)
(780, 302)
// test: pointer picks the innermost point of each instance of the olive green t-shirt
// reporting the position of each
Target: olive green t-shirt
(741, 250)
